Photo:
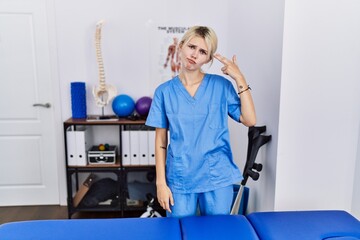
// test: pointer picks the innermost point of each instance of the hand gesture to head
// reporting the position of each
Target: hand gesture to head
(231, 68)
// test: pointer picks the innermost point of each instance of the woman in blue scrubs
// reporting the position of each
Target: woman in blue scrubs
(196, 169)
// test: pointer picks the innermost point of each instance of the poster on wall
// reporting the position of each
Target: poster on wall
(164, 58)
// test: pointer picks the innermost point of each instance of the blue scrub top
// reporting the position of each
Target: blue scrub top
(199, 157)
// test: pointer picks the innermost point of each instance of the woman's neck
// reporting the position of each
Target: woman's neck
(191, 78)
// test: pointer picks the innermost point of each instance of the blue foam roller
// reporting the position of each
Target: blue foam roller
(78, 100)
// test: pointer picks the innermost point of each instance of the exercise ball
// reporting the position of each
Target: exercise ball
(123, 105)
(142, 106)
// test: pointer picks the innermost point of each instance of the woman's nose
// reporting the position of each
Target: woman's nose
(194, 54)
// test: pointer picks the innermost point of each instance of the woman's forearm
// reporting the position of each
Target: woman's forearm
(160, 155)
(248, 115)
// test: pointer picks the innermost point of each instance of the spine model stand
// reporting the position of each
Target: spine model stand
(104, 93)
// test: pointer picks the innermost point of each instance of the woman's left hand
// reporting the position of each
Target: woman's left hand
(231, 68)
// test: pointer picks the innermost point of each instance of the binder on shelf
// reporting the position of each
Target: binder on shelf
(143, 147)
(134, 147)
(151, 147)
(125, 148)
(71, 147)
(168, 137)
(78, 141)
(82, 145)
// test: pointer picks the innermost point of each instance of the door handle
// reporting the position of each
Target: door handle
(46, 105)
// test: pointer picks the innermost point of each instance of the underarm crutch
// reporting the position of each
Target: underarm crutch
(251, 169)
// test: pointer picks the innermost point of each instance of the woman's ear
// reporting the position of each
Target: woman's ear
(210, 59)
(180, 45)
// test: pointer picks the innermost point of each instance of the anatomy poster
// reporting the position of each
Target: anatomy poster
(164, 53)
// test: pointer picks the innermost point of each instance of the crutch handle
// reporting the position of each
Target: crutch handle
(257, 166)
(254, 175)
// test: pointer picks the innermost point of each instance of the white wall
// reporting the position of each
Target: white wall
(319, 106)
(255, 35)
(355, 208)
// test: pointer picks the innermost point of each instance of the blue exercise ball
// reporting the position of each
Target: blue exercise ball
(123, 105)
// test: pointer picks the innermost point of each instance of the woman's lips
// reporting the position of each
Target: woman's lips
(191, 61)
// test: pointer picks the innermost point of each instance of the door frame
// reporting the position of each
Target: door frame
(56, 91)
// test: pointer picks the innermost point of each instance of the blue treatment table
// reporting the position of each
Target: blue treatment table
(291, 225)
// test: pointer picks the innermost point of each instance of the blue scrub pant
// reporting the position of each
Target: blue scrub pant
(215, 202)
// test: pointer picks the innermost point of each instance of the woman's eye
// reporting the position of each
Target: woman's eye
(192, 46)
(203, 52)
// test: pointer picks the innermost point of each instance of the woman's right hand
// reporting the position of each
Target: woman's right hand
(165, 197)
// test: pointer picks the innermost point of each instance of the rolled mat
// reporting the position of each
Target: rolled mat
(78, 100)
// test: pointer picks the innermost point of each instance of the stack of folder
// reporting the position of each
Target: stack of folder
(138, 147)
(78, 140)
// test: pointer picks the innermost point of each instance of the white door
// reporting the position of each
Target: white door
(28, 165)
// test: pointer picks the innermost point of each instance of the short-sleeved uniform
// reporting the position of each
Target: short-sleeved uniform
(199, 157)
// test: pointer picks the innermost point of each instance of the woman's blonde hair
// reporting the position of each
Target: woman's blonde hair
(206, 33)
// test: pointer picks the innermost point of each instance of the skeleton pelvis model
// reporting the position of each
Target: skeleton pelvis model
(103, 93)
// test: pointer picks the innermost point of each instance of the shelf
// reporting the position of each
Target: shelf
(99, 208)
(120, 121)
(112, 166)
(138, 166)
(92, 166)
(74, 173)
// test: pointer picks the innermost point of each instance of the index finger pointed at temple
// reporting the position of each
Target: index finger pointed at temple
(220, 58)
(234, 59)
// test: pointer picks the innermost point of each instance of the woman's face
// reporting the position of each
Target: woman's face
(194, 54)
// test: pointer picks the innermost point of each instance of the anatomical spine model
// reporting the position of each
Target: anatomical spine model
(103, 93)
